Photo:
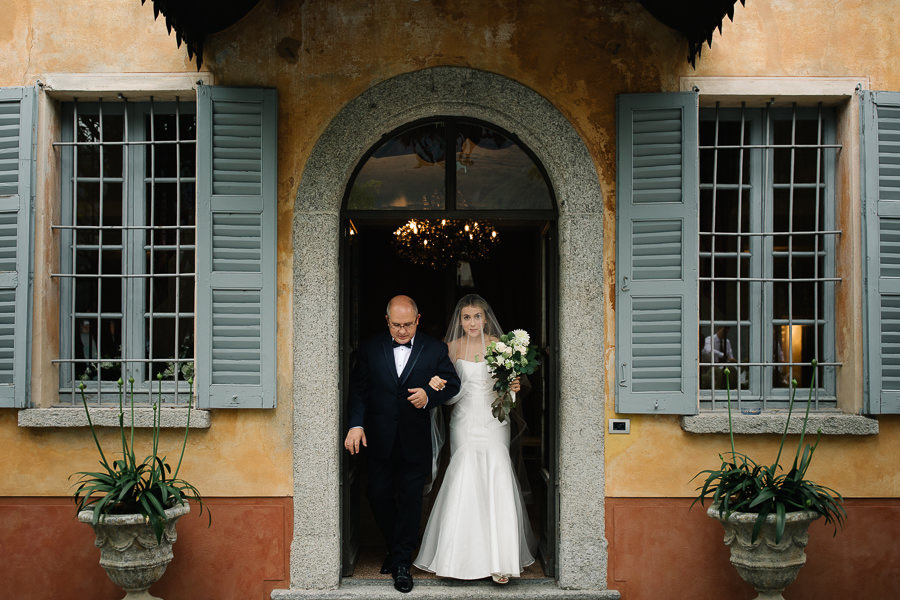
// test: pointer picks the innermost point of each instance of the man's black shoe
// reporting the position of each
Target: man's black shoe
(386, 565)
(403, 581)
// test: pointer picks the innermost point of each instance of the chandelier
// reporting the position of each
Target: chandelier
(436, 243)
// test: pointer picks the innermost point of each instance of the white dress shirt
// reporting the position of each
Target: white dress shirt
(401, 356)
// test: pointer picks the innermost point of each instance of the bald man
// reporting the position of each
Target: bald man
(390, 421)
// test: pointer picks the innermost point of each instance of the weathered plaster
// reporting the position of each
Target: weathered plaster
(780, 47)
(577, 54)
(106, 36)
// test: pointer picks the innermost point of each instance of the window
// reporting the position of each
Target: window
(165, 234)
(127, 238)
(491, 170)
(745, 216)
(766, 254)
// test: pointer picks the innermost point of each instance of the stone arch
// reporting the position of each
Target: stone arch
(457, 91)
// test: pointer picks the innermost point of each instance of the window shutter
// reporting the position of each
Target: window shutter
(881, 215)
(656, 264)
(17, 120)
(236, 244)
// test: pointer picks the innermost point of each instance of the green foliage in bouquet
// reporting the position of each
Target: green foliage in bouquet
(509, 357)
(126, 486)
(742, 485)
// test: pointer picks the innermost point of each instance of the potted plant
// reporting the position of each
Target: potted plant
(133, 505)
(765, 511)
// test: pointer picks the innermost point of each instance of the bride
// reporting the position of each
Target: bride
(478, 526)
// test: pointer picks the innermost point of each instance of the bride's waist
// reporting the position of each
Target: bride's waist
(474, 404)
(479, 418)
(480, 388)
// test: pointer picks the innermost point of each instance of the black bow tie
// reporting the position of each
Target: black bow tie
(395, 344)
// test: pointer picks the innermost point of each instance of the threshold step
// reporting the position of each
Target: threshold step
(430, 589)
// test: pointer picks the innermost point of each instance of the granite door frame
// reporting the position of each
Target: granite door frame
(316, 546)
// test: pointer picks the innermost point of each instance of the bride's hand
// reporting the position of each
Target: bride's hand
(515, 386)
(437, 383)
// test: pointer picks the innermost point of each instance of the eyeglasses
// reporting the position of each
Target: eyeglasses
(399, 326)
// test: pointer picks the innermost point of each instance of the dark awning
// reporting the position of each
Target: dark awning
(193, 20)
(696, 19)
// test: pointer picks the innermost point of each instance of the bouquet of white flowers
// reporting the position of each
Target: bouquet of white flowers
(508, 358)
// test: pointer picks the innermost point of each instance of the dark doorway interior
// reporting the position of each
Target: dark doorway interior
(509, 280)
(514, 280)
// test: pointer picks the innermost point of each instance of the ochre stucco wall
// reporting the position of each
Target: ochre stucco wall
(320, 55)
(244, 453)
(768, 39)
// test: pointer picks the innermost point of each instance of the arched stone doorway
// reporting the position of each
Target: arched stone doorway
(315, 551)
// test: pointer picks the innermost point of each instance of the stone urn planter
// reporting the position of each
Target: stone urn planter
(129, 551)
(766, 565)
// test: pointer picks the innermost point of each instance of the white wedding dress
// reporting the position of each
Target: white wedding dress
(478, 526)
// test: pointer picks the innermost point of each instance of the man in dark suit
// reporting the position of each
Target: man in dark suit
(389, 405)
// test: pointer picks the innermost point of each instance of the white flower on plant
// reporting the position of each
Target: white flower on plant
(508, 363)
(501, 348)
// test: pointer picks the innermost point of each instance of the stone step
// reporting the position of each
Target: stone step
(377, 589)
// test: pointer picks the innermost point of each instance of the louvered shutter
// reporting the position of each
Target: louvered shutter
(236, 243)
(17, 118)
(881, 198)
(656, 259)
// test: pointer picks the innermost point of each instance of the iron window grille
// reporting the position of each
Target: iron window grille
(767, 255)
(127, 242)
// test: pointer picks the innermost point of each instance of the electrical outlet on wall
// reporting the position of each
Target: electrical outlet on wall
(620, 425)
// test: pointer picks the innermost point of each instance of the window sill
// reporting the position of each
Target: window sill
(773, 422)
(60, 418)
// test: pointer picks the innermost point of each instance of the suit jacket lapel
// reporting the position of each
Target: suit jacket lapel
(413, 357)
(389, 359)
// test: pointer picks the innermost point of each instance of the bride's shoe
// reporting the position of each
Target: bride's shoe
(501, 579)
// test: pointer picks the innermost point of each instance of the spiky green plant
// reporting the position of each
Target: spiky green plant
(126, 486)
(742, 485)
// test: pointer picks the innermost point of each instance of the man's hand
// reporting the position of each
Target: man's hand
(516, 385)
(417, 397)
(354, 437)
